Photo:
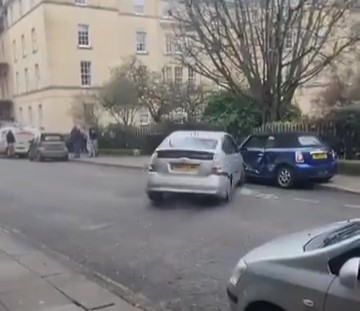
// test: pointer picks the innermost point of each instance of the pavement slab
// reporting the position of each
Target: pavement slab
(84, 292)
(13, 276)
(35, 298)
(41, 264)
(32, 281)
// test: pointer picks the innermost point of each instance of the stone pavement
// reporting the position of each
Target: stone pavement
(340, 182)
(32, 281)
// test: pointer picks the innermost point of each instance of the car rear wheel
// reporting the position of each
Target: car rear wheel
(285, 177)
(242, 178)
(156, 197)
(39, 157)
(229, 191)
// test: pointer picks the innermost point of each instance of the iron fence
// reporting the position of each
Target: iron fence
(145, 138)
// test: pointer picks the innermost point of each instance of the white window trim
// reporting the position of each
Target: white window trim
(84, 46)
(82, 3)
(90, 74)
(145, 51)
(139, 4)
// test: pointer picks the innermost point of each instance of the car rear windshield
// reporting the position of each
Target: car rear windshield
(198, 143)
(52, 137)
(309, 141)
(336, 236)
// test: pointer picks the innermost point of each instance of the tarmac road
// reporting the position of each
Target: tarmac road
(180, 255)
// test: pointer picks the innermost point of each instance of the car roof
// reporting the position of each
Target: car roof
(201, 134)
(285, 134)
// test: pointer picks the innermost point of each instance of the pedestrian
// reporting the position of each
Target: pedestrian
(76, 139)
(93, 142)
(10, 142)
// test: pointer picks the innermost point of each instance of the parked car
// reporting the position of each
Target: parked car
(311, 270)
(195, 162)
(288, 158)
(23, 136)
(48, 146)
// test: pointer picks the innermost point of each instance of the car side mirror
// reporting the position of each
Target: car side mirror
(349, 273)
(242, 148)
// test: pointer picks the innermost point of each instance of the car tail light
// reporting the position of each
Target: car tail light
(216, 167)
(152, 167)
(299, 157)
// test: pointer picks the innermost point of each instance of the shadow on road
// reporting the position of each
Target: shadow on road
(186, 201)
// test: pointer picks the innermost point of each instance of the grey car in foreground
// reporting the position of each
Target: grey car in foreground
(48, 146)
(311, 270)
(195, 162)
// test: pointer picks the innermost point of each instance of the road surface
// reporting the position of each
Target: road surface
(180, 255)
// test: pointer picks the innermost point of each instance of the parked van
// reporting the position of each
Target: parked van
(23, 136)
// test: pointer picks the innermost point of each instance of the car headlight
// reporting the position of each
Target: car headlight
(238, 272)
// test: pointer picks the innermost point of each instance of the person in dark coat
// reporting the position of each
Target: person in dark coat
(10, 141)
(76, 138)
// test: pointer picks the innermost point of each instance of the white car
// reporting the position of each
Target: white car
(23, 136)
(195, 162)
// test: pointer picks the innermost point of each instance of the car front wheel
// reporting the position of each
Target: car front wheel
(155, 197)
(285, 177)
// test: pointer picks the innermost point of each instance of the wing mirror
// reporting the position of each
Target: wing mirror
(241, 148)
(349, 275)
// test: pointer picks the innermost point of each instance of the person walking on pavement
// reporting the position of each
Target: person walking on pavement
(10, 141)
(76, 138)
(93, 143)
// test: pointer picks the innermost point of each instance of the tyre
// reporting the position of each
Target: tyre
(323, 180)
(229, 191)
(285, 177)
(156, 197)
(39, 157)
(242, 178)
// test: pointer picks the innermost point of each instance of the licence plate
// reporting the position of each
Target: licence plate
(189, 168)
(319, 156)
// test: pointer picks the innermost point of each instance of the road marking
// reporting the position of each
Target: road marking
(247, 191)
(306, 200)
(352, 206)
(267, 196)
(98, 226)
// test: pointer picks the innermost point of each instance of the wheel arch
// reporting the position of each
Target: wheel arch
(263, 306)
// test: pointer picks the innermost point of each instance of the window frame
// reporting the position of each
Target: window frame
(83, 34)
(27, 80)
(80, 2)
(23, 46)
(139, 7)
(245, 145)
(141, 35)
(85, 76)
(37, 76)
(178, 75)
(34, 40)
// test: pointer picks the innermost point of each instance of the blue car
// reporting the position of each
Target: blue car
(288, 158)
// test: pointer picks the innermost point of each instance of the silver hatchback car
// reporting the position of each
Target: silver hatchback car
(312, 270)
(195, 162)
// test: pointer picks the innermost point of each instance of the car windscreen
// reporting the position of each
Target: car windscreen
(198, 143)
(52, 138)
(336, 236)
(310, 141)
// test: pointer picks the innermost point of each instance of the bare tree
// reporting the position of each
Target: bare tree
(85, 110)
(190, 99)
(263, 49)
(119, 97)
(152, 90)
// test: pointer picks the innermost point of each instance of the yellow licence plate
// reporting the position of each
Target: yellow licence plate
(185, 167)
(319, 156)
